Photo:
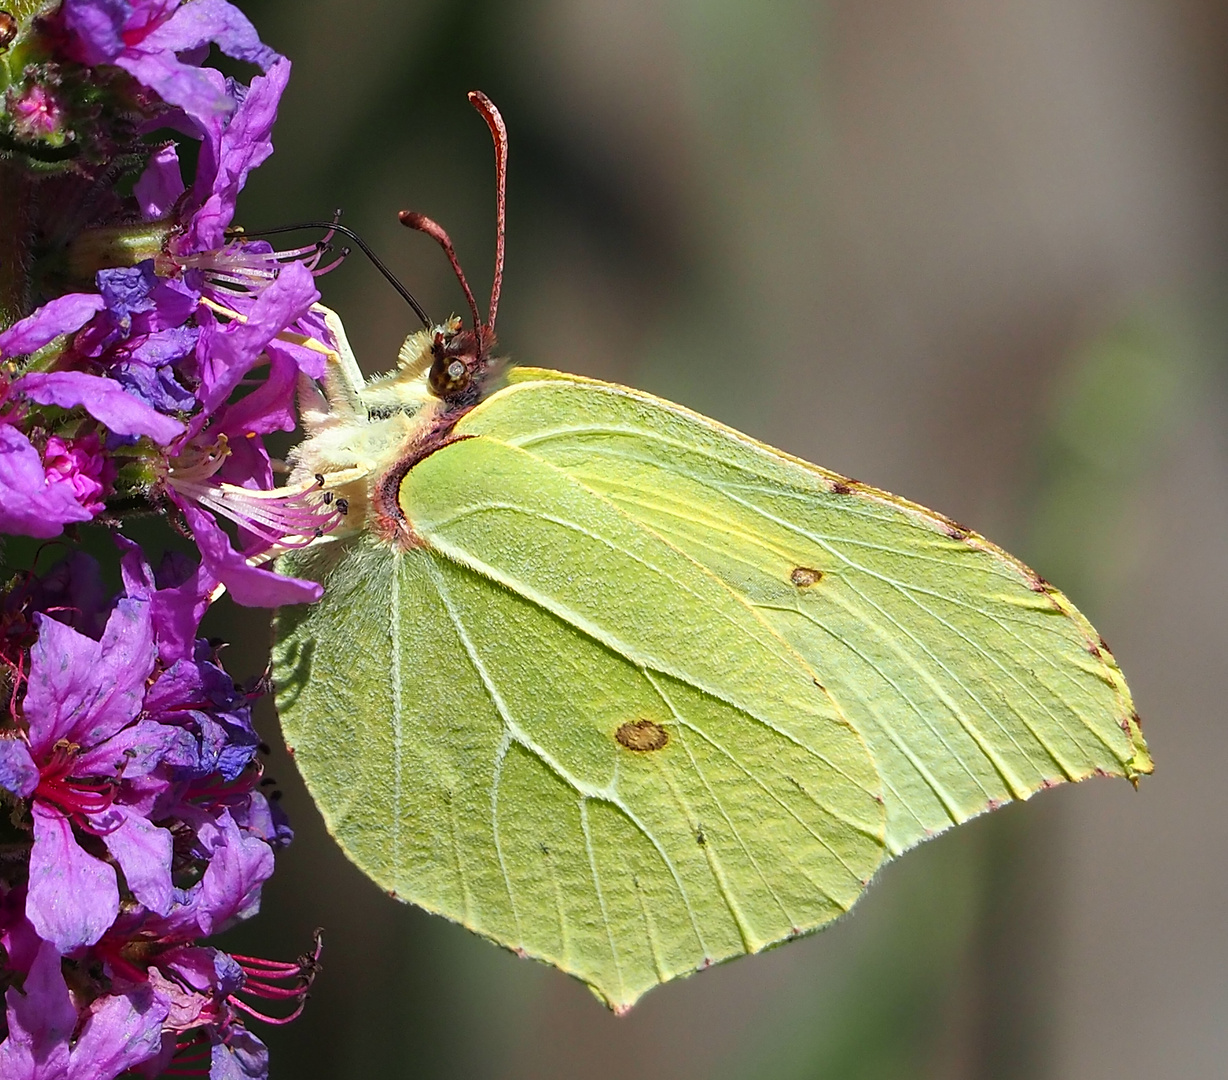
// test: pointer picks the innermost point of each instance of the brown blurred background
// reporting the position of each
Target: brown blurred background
(972, 252)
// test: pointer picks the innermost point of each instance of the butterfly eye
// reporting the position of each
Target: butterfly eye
(448, 375)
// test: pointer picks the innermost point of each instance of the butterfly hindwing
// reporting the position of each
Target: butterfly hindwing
(575, 739)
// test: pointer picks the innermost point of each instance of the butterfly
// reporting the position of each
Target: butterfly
(629, 692)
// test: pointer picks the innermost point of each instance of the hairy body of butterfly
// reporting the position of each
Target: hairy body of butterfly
(626, 691)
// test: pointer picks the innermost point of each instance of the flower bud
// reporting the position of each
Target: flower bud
(114, 246)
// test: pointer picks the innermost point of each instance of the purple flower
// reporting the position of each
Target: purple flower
(40, 493)
(30, 504)
(150, 38)
(128, 761)
(119, 732)
(237, 866)
(202, 989)
(37, 112)
(38, 497)
(251, 306)
(133, 750)
(176, 335)
(183, 1004)
(81, 464)
(81, 705)
(117, 1031)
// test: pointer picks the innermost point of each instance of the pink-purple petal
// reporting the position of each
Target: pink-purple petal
(103, 399)
(243, 1057)
(41, 1019)
(97, 27)
(126, 659)
(122, 1030)
(161, 184)
(238, 866)
(248, 585)
(18, 773)
(21, 942)
(244, 144)
(203, 21)
(85, 690)
(62, 682)
(200, 92)
(126, 662)
(139, 749)
(311, 362)
(63, 315)
(30, 504)
(177, 613)
(227, 352)
(248, 465)
(143, 851)
(270, 407)
(73, 897)
(176, 609)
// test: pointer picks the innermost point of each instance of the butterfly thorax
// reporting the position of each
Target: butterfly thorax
(363, 437)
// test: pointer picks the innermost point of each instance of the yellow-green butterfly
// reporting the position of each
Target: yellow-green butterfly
(625, 690)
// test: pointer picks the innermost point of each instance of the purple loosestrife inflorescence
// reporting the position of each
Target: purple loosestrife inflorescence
(178, 318)
(146, 350)
(131, 764)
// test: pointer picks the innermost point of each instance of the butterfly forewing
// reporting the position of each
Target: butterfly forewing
(576, 739)
(972, 681)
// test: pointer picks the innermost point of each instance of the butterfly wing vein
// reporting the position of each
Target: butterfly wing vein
(829, 675)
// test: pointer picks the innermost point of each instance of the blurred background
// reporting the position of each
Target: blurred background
(972, 252)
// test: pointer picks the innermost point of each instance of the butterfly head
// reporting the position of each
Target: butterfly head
(460, 363)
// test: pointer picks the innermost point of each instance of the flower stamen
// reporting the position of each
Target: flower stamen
(241, 268)
(289, 517)
(209, 793)
(195, 464)
(79, 799)
(262, 976)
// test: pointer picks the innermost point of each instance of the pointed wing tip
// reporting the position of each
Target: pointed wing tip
(1138, 766)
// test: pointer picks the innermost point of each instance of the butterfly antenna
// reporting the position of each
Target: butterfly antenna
(498, 132)
(421, 223)
(335, 226)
